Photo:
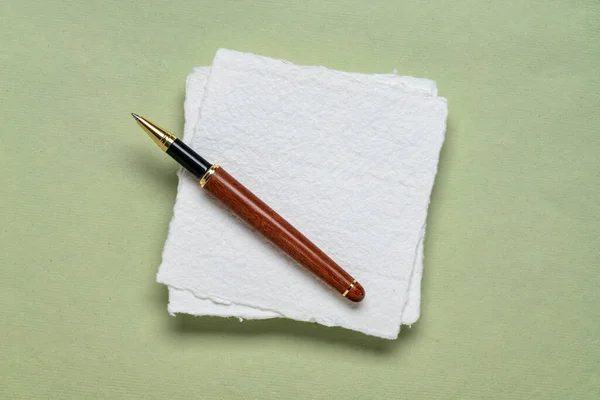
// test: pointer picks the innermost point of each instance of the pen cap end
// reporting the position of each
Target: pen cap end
(356, 294)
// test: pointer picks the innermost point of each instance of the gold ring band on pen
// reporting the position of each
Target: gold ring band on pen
(349, 288)
(208, 174)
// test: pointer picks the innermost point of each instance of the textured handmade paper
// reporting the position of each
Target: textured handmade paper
(182, 301)
(349, 159)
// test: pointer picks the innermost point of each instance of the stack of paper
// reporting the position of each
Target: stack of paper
(349, 159)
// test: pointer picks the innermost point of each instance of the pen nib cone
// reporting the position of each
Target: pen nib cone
(160, 136)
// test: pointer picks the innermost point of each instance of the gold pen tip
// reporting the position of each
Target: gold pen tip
(161, 137)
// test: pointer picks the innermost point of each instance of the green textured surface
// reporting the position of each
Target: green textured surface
(511, 305)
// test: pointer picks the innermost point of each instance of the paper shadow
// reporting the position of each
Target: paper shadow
(440, 184)
(280, 328)
(155, 172)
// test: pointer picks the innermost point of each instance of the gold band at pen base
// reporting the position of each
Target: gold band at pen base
(208, 174)
(349, 288)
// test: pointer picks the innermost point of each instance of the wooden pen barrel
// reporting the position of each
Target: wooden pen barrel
(271, 225)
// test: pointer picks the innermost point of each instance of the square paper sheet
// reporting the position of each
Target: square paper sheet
(347, 158)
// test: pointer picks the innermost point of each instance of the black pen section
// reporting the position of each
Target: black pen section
(188, 158)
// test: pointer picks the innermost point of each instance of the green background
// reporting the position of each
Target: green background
(511, 302)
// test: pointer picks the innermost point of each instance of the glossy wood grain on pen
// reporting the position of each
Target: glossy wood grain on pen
(254, 211)
(271, 225)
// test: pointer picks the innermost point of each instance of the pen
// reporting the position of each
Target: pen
(255, 212)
